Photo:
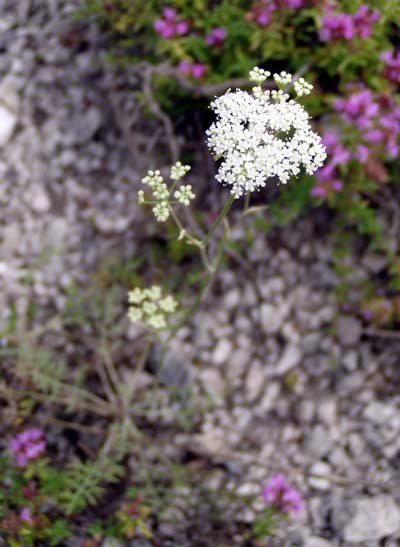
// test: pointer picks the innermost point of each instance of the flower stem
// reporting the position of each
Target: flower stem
(218, 221)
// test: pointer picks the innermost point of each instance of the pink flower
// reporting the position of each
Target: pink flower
(364, 19)
(216, 37)
(25, 515)
(362, 153)
(170, 26)
(27, 445)
(392, 68)
(196, 70)
(278, 494)
(335, 27)
(343, 25)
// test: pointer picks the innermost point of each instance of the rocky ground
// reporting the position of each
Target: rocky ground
(295, 383)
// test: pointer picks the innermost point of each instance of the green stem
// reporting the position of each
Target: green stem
(220, 218)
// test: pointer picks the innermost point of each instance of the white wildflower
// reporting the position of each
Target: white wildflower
(153, 293)
(178, 171)
(161, 211)
(184, 195)
(153, 178)
(258, 75)
(168, 304)
(136, 296)
(283, 79)
(259, 139)
(157, 321)
(135, 314)
(160, 192)
(150, 306)
(141, 198)
(302, 87)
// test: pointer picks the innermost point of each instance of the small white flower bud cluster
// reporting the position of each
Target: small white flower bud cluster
(258, 75)
(261, 135)
(149, 307)
(161, 192)
(302, 87)
(178, 170)
(184, 195)
(283, 79)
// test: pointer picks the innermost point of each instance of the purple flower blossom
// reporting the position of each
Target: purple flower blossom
(278, 494)
(364, 19)
(392, 68)
(196, 70)
(335, 27)
(25, 516)
(170, 26)
(27, 445)
(362, 153)
(261, 11)
(346, 26)
(216, 37)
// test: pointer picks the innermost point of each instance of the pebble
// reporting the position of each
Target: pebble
(319, 482)
(290, 358)
(8, 122)
(272, 317)
(222, 351)
(349, 330)
(367, 518)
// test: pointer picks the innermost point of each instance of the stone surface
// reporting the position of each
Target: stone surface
(367, 518)
(8, 122)
(348, 330)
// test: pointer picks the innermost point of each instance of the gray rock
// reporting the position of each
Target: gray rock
(319, 474)
(318, 442)
(314, 541)
(222, 351)
(272, 317)
(8, 122)
(176, 369)
(213, 383)
(349, 330)
(367, 518)
(379, 413)
(40, 202)
(290, 358)
(255, 380)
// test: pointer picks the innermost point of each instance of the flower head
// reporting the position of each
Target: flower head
(25, 516)
(149, 306)
(28, 445)
(216, 37)
(260, 136)
(169, 25)
(278, 494)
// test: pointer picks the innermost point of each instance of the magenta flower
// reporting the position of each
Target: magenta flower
(28, 445)
(279, 495)
(196, 70)
(216, 37)
(25, 516)
(392, 68)
(362, 153)
(335, 27)
(346, 26)
(170, 26)
(364, 19)
(262, 10)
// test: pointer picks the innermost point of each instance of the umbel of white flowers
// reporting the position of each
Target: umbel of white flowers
(263, 134)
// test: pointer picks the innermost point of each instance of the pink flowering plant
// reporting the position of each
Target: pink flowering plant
(281, 502)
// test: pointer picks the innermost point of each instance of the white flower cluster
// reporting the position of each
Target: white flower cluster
(149, 307)
(302, 87)
(184, 195)
(262, 135)
(178, 170)
(283, 79)
(258, 75)
(161, 192)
